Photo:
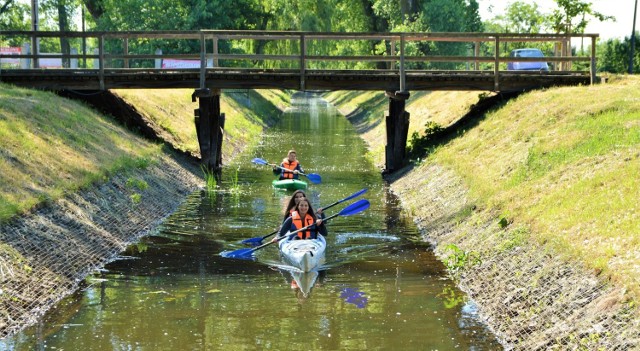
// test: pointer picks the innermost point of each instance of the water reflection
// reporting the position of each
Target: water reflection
(355, 297)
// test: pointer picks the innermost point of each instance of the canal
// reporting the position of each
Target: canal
(381, 287)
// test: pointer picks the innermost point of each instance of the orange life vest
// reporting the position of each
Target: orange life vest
(298, 222)
(290, 166)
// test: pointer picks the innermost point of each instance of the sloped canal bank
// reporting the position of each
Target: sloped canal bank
(382, 288)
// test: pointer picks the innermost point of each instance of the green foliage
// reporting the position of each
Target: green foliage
(235, 186)
(458, 260)
(135, 198)
(572, 16)
(15, 17)
(210, 179)
(512, 238)
(420, 144)
(613, 56)
(139, 184)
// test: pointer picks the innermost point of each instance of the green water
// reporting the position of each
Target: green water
(381, 287)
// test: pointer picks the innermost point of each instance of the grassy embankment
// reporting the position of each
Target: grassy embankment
(562, 164)
(53, 146)
(172, 111)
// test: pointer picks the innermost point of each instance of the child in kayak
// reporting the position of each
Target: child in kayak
(289, 168)
(301, 217)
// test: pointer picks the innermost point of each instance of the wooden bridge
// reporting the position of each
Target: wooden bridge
(211, 60)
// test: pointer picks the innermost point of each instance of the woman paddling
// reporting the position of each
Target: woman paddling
(301, 217)
(293, 202)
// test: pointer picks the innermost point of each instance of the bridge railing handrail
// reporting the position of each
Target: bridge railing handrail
(397, 42)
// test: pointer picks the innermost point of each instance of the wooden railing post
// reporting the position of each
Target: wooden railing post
(203, 60)
(496, 68)
(215, 51)
(476, 53)
(126, 52)
(73, 62)
(26, 62)
(35, 49)
(157, 64)
(392, 44)
(402, 73)
(593, 60)
(101, 62)
(303, 59)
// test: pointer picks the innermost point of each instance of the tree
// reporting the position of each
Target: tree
(521, 17)
(572, 16)
(450, 16)
(613, 56)
(14, 16)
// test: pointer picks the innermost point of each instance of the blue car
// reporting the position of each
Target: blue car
(528, 66)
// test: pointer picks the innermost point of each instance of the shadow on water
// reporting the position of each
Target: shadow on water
(381, 287)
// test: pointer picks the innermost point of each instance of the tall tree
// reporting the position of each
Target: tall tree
(451, 16)
(572, 16)
(521, 17)
(14, 16)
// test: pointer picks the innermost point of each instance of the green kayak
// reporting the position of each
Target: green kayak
(289, 184)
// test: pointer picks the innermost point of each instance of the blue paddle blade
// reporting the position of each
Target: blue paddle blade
(243, 254)
(314, 178)
(355, 208)
(259, 161)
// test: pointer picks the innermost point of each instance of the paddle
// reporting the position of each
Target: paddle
(313, 178)
(350, 210)
(258, 240)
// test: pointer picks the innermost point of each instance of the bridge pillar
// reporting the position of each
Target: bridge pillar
(397, 123)
(209, 128)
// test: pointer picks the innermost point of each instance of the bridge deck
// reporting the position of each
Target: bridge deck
(113, 60)
(221, 78)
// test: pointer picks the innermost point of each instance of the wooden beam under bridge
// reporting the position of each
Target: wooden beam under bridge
(209, 128)
(397, 125)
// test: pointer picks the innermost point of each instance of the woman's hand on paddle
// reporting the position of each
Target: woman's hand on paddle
(319, 222)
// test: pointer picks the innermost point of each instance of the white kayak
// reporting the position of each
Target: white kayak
(305, 255)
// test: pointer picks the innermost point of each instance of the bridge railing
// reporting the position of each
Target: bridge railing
(298, 52)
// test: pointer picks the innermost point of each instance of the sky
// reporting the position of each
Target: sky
(622, 10)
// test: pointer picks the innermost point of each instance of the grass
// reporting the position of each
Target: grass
(173, 112)
(564, 166)
(53, 146)
(368, 111)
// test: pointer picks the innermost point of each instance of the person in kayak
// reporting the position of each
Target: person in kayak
(290, 167)
(301, 217)
(295, 198)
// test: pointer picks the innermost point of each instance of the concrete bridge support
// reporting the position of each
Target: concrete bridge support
(397, 124)
(210, 128)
